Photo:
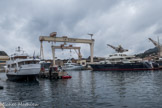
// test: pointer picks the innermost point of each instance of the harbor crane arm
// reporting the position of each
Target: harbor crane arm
(118, 49)
(112, 46)
(154, 42)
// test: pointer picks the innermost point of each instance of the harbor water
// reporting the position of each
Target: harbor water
(86, 89)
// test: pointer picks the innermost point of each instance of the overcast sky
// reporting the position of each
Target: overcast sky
(118, 22)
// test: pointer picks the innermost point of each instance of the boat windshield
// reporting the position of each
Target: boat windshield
(31, 62)
(13, 65)
(28, 62)
(45, 65)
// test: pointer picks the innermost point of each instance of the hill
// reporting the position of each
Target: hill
(152, 51)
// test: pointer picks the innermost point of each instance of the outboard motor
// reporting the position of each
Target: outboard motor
(52, 70)
(155, 65)
(147, 65)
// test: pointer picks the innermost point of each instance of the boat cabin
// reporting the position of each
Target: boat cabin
(20, 63)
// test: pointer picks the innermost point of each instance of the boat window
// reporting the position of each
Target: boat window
(31, 62)
(20, 63)
(2, 61)
(8, 66)
(76, 64)
(45, 65)
(34, 62)
(13, 65)
(27, 62)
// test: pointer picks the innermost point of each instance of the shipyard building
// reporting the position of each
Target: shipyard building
(3, 58)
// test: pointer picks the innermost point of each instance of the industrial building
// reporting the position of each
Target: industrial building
(3, 58)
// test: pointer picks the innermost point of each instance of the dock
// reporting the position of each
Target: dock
(53, 73)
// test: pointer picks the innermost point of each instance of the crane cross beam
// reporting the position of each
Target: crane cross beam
(65, 47)
(65, 39)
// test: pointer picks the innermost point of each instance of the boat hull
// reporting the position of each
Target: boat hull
(73, 68)
(160, 64)
(32, 77)
(23, 74)
(123, 67)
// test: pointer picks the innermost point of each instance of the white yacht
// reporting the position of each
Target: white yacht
(22, 67)
(121, 58)
(72, 66)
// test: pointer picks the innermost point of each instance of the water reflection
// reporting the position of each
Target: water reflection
(90, 89)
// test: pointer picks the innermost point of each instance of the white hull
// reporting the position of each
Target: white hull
(23, 74)
(73, 68)
(31, 71)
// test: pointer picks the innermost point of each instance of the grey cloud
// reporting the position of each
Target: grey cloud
(124, 22)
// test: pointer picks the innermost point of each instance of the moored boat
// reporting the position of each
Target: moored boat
(22, 67)
(72, 66)
(123, 62)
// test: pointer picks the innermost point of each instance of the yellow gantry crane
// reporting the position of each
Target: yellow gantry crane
(64, 39)
(65, 47)
(158, 45)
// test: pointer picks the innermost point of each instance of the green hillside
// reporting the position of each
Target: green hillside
(152, 51)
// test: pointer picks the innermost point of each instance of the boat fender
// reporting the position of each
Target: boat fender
(1, 87)
(15, 70)
(66, 77)
(55, 68)
(1, 105)
(42, 69)
(7, 71)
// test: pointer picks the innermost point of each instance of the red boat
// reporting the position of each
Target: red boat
(66, 77)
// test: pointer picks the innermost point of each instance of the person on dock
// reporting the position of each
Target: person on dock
(1, 87)
(50, 72)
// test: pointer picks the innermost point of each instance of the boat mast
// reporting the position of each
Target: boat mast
(159, 48)
(157, 44)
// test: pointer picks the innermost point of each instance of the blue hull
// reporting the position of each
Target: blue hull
(123, 67)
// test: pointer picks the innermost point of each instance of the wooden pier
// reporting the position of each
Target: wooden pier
(54, 74)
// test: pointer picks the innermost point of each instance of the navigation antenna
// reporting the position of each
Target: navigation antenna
(90, 35)
(70, 54)
(18, 49)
